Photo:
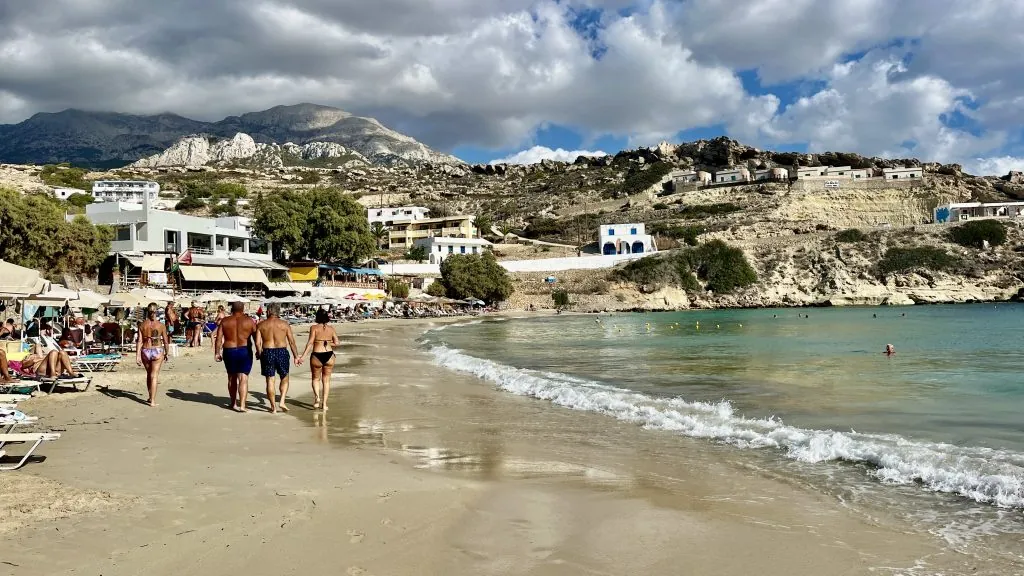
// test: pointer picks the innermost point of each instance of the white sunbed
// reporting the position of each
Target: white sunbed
(13, 398)
(10, 418)
(97, 362)
(35, 438)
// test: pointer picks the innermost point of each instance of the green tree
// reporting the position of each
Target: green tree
(436, 288)
(380, 233)
(417, 253)
(64, 176)
(396, 288)
(974, 233)
(36, 235)
(475, 276)
(189, 204)
(483, 225)
(712, 266)
(560, 298)
(80, 200)
(323, 224)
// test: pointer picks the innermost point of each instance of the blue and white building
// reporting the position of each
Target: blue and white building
(625, 239)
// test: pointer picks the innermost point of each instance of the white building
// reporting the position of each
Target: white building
(830, 172)
(65, 193)
(902, 173)
(961, 211)
(440, 247)
(771, 174)
(389, 215)
(690, 177)
(124, 190)
(801, 172)
(732, 175)
(625, 239)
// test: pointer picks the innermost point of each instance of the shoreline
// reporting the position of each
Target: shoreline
(414, 470)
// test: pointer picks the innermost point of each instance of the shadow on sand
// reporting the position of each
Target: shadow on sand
(118, 394)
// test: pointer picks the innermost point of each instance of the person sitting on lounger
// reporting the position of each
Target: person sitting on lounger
(52, 364)
(5, 374)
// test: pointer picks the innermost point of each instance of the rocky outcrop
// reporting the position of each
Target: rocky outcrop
(201, 150)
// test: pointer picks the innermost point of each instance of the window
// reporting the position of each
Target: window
(462, 249)
(895, 176)
(123, 233)
(913, 175)
(474, 250)
(632, 231)
(611, 231)
(438, 248)
(733, 178)
(451, 249)
(856, 175)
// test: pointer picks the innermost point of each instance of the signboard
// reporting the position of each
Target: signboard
(832, 184)
(158, 278)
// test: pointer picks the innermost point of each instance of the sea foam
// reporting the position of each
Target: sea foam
(982, 474)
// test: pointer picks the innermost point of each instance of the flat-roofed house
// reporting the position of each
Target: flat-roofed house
(902, 173)
(732, 175)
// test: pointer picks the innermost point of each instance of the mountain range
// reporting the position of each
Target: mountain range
(110, 139)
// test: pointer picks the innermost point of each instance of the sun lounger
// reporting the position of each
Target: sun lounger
(35, 439)
(97, 362)
(12, 417)
(13, 398)
(67, 381)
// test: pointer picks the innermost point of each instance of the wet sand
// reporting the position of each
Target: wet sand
(413, 470)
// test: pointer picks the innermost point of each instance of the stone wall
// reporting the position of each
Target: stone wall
(818, 183)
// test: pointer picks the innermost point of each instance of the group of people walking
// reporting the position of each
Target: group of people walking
(235, 339)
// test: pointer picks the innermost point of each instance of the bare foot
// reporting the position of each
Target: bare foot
(316, 403)
(273, 409)
(324, 407)
(153, 404)
(282, 407)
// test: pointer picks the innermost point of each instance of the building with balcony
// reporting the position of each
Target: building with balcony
(223, 252)
(388, 216)
(124, 190)
(624, 239)
(440, 247)
(403, 235)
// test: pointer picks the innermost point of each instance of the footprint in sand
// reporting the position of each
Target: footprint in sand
(385, 496)
(355, 536)
(356, 571)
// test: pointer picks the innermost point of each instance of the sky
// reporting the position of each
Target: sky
(523, 80)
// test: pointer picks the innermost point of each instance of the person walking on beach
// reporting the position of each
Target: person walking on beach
(232, 345)
(322, 340)
(171, 318)
(273, 339)
(196, 317)
(152, 349)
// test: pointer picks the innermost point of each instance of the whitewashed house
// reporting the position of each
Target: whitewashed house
(732, 175)
(389, 215)
(690, 177)
(802, 172)
(65, 193)
(440, 247)
(902, 173)
(625, 239)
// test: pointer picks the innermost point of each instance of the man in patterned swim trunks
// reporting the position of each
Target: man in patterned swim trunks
(273, 339)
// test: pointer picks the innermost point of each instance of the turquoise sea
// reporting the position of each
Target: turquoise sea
(935, 432)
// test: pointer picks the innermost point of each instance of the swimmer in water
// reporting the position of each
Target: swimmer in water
(890, 350)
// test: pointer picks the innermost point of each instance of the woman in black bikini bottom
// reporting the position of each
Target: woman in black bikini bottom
(322, 340)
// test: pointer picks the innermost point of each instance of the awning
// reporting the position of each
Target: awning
(250, 275)
(204, 274)
(20, 281)
(299, 287)
(137, 261)
(203, 260)
(152, 263)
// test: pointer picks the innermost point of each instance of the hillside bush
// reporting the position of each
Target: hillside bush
(189, 203)
(661, 206)
(686, 234)
(974, 233)
(64, 176)
(904, 260)
(642, 178)
(850, 236)
(560, 298)
(714, 266)
(707, 211)
(396, 288)
(475, 276)
(436, 288)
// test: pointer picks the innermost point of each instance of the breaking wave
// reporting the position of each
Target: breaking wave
(981, 474)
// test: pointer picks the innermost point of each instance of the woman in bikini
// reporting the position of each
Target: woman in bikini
(52, 364)
(153, 345)
(322, 340)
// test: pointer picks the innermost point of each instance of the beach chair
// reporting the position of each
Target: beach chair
(12, 399)
(19, 387)
(35, 439)
(12, 417)
(96, 362)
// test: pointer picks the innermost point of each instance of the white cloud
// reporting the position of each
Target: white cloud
(998, 166)
(537, 153)
(491, 72)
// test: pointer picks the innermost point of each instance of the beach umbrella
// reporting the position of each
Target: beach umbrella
(125, 300)
(215, 296)
(57, 296)
(20, 282)
(183, 300)
(153, 295)
(91, 300)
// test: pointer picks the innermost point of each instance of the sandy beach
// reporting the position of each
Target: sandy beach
(413, 470)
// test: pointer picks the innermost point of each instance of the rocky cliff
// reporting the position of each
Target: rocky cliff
(105, 140)
(243, 150)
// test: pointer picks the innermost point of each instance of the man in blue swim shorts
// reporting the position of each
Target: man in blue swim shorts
(273, 339)
(233, 346)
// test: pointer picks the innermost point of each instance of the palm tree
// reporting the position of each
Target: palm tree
(380, 233)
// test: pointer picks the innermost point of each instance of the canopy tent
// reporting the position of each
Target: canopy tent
(126, 300)
(20, 282)
(222, 297)
(87, 299)
(204, 274)
(153, 295)
(57, 296)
